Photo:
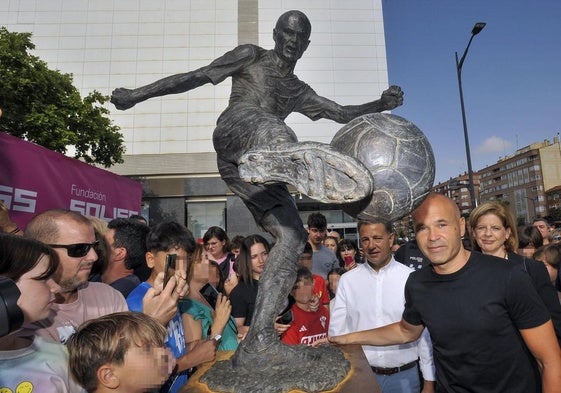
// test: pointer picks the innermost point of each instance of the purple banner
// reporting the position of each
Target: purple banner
(34, 179)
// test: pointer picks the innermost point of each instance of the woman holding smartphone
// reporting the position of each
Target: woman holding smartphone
(206, 312)
(347, 254)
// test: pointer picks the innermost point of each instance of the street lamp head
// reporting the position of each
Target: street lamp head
(477, 28)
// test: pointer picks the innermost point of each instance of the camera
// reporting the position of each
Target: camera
(11, 316)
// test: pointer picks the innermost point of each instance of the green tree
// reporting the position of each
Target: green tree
(43, 106)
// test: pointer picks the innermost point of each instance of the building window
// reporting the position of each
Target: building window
(203, 215)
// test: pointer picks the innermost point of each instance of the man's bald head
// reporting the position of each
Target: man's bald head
(435, 198)
(294, 16)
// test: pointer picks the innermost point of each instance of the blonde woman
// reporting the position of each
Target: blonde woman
(494, 233)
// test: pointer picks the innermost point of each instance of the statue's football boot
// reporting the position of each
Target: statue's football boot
(314, 169)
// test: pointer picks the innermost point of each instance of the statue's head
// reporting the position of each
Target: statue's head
(291, 35)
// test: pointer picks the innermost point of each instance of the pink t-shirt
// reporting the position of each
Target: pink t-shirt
(231, 263)
(96, 299)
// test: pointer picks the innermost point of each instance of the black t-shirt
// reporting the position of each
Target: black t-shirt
(243, 298)
(473, 317)
(224, 266)
(125, 285)
(410, 255)
(547, 292)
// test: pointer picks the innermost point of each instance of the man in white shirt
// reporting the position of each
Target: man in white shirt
(372, 295)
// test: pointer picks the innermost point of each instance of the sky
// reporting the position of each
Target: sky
(511, 77)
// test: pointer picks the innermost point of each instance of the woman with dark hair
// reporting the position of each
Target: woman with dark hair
(529, 240)
(250, 264)
(217, 245)
(31, 264)
(494, 233)
(347, 254)
(550, 256)
(235, 245)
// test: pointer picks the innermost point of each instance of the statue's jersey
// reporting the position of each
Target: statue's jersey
(264, 92)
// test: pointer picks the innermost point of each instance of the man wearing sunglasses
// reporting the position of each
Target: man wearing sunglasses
(72, 237)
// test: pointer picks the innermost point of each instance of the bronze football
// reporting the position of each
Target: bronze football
(399, 158)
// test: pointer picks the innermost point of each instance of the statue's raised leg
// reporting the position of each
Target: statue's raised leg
(261, 357)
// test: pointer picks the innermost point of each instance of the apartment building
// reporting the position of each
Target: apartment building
(457, 189)
(524, 179)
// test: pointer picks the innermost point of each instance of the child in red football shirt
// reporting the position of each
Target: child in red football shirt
(307, 326)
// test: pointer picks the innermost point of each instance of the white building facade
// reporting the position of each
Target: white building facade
(107, 44)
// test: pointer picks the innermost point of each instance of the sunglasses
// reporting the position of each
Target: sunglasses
(76, 250)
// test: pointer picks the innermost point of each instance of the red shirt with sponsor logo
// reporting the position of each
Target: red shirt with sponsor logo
(306, 327)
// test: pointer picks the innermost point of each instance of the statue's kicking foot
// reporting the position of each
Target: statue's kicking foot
(316, 170)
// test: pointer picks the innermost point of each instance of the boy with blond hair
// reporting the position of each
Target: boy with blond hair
(120, 352)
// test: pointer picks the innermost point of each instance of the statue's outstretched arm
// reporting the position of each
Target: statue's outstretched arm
(127, 98)
(390, 99)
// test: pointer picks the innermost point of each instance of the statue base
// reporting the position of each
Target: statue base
(360, 377)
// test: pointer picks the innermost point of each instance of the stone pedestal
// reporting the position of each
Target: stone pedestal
(359, 379)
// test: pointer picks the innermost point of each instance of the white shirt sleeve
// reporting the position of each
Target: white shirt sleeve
(338, 312)
(426, 362)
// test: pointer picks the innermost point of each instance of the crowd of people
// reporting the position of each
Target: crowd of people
(431, 315)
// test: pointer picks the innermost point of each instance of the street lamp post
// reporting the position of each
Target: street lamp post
(476, 30)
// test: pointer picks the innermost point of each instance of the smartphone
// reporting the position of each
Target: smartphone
(286, 317)
(169, 267)
(210, 294)
(349, 260)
